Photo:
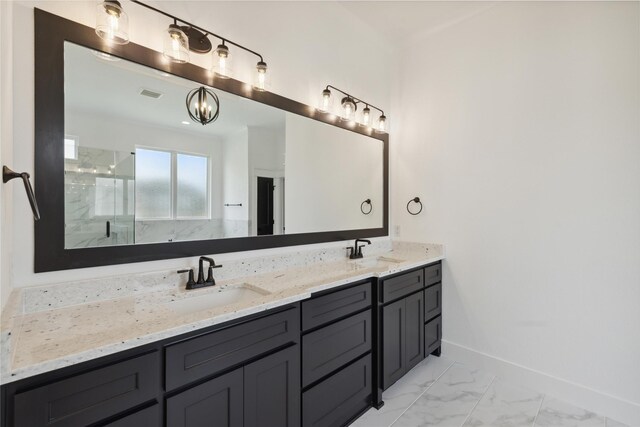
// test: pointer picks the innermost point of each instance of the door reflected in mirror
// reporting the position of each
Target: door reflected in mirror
(139, 170)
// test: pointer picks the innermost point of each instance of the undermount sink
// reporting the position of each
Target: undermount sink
(381, 261)
(224, 295)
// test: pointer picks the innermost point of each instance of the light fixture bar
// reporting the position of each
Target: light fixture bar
(357, 100)
(206, 32)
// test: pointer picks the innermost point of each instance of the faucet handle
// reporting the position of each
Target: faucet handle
(190, 282)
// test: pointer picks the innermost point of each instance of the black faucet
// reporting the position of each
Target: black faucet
(201, 282)
(355, 252)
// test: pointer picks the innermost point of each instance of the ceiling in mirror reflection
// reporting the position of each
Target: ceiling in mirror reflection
(109, 87)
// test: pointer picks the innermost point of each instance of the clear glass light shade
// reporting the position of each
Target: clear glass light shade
(326, 101)
(222, 62)
(112, 23)
(382, 124)
(262, 80)
(366, 118)
(176, 45)
(348, 109)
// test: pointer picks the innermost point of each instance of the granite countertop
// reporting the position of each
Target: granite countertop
(41, 332)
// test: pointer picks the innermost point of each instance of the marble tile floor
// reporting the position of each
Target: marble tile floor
(442, 392)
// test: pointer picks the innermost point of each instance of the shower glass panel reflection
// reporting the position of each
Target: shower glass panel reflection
(99, 196)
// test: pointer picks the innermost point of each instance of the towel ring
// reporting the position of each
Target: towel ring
(368, 201)
(414, 200)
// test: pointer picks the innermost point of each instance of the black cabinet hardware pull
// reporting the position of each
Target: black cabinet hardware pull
(8, 175)
(414, 200)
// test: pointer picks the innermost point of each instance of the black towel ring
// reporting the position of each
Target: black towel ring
(414, 200)
(368, 201)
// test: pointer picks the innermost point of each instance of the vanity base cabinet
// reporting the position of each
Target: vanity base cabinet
(339, 399)
(272, 390)
(218, 402)
(404, 338)
(393, 349)
(337, 362)
(90, 397)
(263, 393)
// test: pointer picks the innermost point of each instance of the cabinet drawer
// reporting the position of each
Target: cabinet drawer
(333, 346)
(402, 285)
(433, 301)
(326, 308)
(199, 357)
(432, 335)
(148, 417)
(339, 398)
(432, 274)
(90, 397)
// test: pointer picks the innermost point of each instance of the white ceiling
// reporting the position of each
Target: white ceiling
(400, 21)
(112, 89)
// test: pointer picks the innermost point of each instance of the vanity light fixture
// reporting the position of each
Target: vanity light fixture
(349, 107)
(112, 25)
(200, 105)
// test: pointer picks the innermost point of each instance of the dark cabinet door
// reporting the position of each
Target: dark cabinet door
(393, 338)
(414, 330)
(272, 390)
(217, 402)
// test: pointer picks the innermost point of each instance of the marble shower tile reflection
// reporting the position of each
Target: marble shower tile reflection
(555, 413)
(449, 401)
(403, 393)
(504, 405)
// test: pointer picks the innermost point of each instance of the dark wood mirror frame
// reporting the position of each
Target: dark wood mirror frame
(51, 32)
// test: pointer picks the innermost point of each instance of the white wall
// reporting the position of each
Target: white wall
(266, 159)
(520, 130)
(301, 66)
(235, 175)
(6, 148)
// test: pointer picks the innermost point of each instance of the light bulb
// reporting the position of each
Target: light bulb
(348, 108)
(261, 76)
(366, 116)
(325, 101)
(176, 45)
(382, 124)
(112, 23)
(222, 61)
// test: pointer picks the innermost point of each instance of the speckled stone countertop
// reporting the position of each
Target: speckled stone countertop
(51, 327)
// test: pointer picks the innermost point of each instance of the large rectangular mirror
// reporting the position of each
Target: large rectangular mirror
(137, 171)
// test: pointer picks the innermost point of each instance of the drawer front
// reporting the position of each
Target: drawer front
(433, 301)
(326, 308)
(148, 417)
(432, 335)
(333, 346)
(432, 274)
(90, 397)
(402, 285)
(339, 398)
(199, 357)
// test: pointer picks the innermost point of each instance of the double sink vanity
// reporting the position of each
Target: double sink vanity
(311, 344)
(306, 338)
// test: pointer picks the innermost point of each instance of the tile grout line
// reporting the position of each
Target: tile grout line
(422, 394)
(476, 405)
(539, 408)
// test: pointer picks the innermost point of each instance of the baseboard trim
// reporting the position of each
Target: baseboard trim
(582, 396)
